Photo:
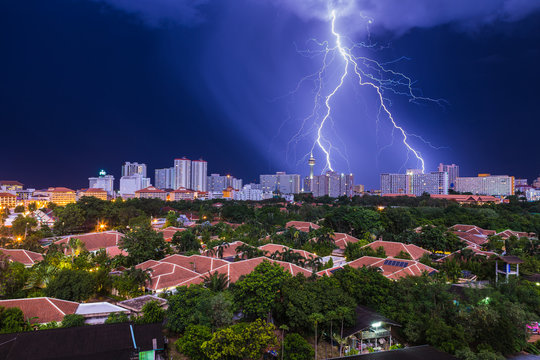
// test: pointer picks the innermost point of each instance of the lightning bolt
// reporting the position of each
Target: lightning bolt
(367, 72)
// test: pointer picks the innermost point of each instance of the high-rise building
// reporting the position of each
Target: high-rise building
(129, 169)
(281, 182)
(358, 189)
(103, 181)
(453, 173)
(164, 178)
(182, 173)
(331, 184)
(487, 184)
(130, 184)
(217, 183)
(199, 175)
(415, 182)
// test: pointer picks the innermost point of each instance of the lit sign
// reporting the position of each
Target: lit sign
(102, 173)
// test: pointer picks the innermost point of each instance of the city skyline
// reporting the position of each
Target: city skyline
(103, 106)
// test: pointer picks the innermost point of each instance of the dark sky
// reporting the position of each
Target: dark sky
(87, 85)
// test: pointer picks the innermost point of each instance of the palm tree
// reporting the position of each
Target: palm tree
(142, 277)
(76, 246)
(283, 328)
(342, 312)
(316, 318)
(215, 281)
(221, 247)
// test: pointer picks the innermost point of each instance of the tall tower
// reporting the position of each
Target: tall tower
(311, 165)
(182, 173)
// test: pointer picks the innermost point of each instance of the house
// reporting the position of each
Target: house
(93, 242)
(304, 226)
(393, 268)
(468, 199)
(135, 305)
(97, 313)
(105, 342)
(519, 234)
(44, 217)
(341, 240)
(179, 270)
(270, 249)
(472, 229)
(393, 249)
(42, 310)
(25, 257)
(423, 352)
(370, 330)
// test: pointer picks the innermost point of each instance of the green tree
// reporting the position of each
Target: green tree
(185, 241)
(256, 293)
(216, 281)
(171, 219)
(70, 219)
(12, 320)
(22, 225)
(151, 313)
(188, 306)
(144, 244)
(191, 342)
(297, 348)
(72, 320)
(316, 319)
(241, 341)
(220, 306)
(74, 285)
(117, 317)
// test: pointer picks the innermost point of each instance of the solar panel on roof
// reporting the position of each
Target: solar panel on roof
(396, 263)
(334, 270)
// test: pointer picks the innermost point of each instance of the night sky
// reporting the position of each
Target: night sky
(86, 85)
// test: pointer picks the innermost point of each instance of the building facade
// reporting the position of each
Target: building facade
(95, 192)
(103, 181)
(130, 169)
(330, 184)
(415, 182)
(487, 184)
(151, 192)
(182, 173)
(130, 184)
(7, 200)
(199, 175)
(281, 182)
(62, 196)
(453, 173)
(218, 183)
(164, 178)
(10, 185)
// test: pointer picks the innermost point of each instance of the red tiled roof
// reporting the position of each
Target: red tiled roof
(169, 232)
(95, 241)
(197, 263)
(235, 270)
(471, 238)
(229, 251)
(93, 190)
(45, 309)
(392, 248)
(302, 225)
(5, 194)
(59, 189)
(412, 268)
(150, 189)
(272, 248)
(182, 190)
(507, 233)
(473, 229)
(341, 240)
(28, 258)
(10, 182)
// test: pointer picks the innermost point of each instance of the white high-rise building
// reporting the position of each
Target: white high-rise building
(415, 182)
(453, 173)
(331, 184)
(486, 184)
(103, 181)
(281, 182)
(199, 175)
(182, 173)
(129, 169)
(164, 178)
(130, 184)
